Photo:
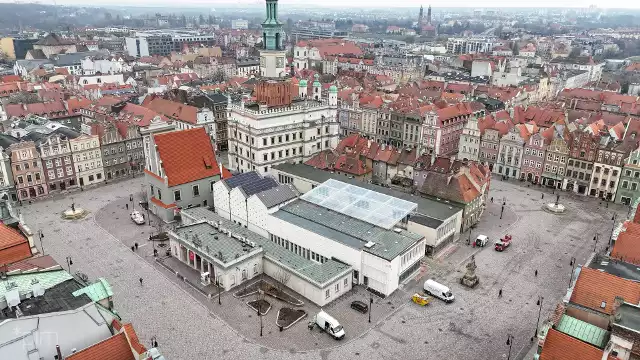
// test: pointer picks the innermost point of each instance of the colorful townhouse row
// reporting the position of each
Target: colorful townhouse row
(589, 156)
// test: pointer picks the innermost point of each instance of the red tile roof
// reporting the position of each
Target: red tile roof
(161, 204)
(13, 245)
(32, 264)
(174, 110)
(186, 156)
(10, 78)
(627, 245)
(560, 346)
(594, 287)
(133, 339)
(114, 348)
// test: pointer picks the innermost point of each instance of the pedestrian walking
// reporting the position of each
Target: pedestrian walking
(542, 195)
(136, 245)
(536, 272)
(127, 205)
(141, 282)
(499, 291)
(133, 248)
(492, 199)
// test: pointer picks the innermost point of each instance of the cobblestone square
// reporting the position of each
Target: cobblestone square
(189, 325)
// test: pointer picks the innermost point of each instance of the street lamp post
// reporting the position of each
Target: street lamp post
(510, 344)
(41, 235)
(218, 285)
(573, 266)
(539, 303)
(69, 263)
(370, 306)
(595, 242)
(613, 228)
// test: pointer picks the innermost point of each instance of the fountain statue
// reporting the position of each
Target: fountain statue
(74, 213)
(555, 208)
(470, 279)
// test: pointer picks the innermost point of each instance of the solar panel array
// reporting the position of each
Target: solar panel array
(251, 182)
(360, 203)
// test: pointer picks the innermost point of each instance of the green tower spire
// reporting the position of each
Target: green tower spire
(272, 33)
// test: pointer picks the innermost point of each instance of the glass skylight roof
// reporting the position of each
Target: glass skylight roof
(360, 203)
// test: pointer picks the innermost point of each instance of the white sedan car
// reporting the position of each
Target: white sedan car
(137, 217)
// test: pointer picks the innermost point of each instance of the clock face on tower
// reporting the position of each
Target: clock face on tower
(280, 62)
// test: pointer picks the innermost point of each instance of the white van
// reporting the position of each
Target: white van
(330, 325)
(438, 290)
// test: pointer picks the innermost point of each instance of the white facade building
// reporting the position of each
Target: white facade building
(87, 158)
(229, 254)
(104, 66)
(375, 242)
(469, 147)
(239, 24)
(248, 198)
(101, 79)
(260, 137)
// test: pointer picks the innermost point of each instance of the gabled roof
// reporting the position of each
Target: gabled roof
(277, 195)
(594, 288)
(559, 346)
(174, 110)
(11, 238)
(627, 244)
(186, 156)
(114, 348)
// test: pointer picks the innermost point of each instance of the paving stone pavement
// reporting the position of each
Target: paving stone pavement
(473, 327)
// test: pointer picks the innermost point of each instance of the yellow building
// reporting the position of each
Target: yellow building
(6, 46)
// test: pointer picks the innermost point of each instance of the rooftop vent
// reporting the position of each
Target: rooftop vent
(603, 304)
(369, 245)
(397, 230)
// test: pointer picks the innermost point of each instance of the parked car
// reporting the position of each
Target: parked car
(482, 240)
(329, 325)
(137, 217)
(438, 290)
(360, 306)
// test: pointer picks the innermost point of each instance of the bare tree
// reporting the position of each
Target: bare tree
(282, 278)
(23, 98)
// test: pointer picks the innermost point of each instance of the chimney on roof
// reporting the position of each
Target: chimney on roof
(616, 315)
(59, 356)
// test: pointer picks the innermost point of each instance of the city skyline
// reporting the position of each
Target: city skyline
(493, 4)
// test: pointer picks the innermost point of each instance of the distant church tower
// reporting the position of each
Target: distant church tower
(429, 15)
(272, 55)
(420, 17)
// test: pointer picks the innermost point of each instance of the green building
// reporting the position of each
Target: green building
(629, 184)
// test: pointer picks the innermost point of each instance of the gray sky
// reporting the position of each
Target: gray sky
(365, 3)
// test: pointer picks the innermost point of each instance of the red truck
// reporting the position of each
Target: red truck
(503, 243)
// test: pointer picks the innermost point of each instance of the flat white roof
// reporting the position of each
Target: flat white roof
(363, 204)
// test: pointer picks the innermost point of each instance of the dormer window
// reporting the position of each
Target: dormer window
(603, 304)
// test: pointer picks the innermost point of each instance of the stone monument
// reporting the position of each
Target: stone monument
(555, 208)
(470, 279)
(74, 213)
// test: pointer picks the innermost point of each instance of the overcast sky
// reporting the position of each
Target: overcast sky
(363, 3)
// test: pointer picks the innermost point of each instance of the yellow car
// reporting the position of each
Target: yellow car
(421, 299)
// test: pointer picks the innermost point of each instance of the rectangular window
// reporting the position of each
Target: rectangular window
(337, 287)
(176, 195)
(159, 195)
(264, 141)
(346, 283)
(327, 294)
